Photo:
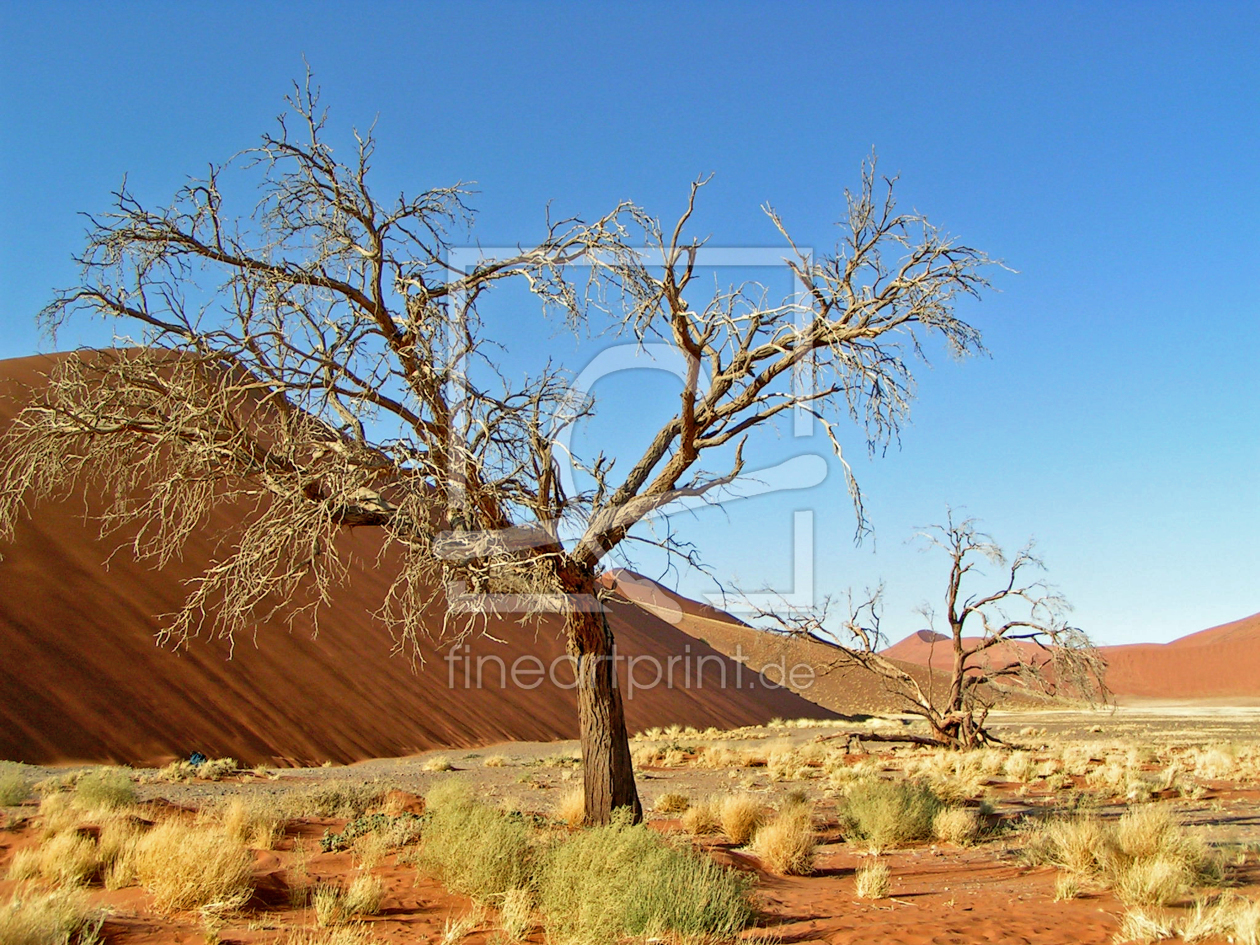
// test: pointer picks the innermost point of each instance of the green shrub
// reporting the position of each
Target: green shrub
(608, 883)
(400, 830)
(14, 787)
(105, 789)
(890, 813)
(472, 848)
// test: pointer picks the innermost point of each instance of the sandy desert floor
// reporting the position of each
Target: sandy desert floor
(1200, 763)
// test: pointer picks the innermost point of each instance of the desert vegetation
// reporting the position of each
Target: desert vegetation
(1099, 822)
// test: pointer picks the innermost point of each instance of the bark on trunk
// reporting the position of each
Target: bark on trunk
(607, 772)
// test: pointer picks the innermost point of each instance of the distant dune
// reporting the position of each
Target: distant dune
(927, 648)
(846, 690)
(1220, 663)
(82, 679)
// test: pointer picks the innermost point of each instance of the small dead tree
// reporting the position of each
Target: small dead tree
(314, 362)
(1014, 633)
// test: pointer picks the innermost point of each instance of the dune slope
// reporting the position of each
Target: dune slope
(1219, 663)
(809, 667)
(81, 677)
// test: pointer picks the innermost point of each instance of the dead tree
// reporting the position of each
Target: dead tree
(314, 361)
(1018, 636)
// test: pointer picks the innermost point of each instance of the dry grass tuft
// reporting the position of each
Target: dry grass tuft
(214, 769)
(516, 914)
(1146, 857)
(702, 817)
(1080, 846)
(364, 895)
(346, 935)
(1144, 927)
(496, 761)
(741, 815)
(1232, 917)
(369, 849)
(329, 905)
(437, 763)
(1157, 881)
(49, 918)
(1067, 886)
(457, 930)
(959, 825)
(1020, 766)
(73, 857)
(68, 859)
(57, 813)
(672, 802)
(256, 822)
(189, 867)
(343, 799)
(570, 807)
(873, 880)
(786, 845)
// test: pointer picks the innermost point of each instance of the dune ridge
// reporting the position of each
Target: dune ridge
(1218, 663)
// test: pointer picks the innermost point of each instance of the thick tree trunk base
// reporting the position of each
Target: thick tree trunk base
(607, 771)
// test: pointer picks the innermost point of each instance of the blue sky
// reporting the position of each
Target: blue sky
(1107, 152)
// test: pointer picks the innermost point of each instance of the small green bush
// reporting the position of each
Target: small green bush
(402, 829)
(608, 883)
(890, 813)
(472, 848)
(14, 786)
(106, 789)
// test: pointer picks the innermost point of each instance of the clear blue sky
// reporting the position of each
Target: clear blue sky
(1108, 152)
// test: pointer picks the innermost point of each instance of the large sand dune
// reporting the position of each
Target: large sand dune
(81, 677)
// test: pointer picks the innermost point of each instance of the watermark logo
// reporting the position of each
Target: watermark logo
(701, 669)
(802, 471)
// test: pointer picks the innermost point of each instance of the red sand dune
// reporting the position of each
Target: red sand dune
(81, 677)
(1220, 663)
(927, 648)
(842, 689)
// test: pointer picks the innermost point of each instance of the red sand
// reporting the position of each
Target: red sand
(1219, 663)
(82, 679)
(844, 689)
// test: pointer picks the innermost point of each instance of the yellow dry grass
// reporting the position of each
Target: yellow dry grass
(873, 880)
(786, 844)
(187, 866)
(740, 816)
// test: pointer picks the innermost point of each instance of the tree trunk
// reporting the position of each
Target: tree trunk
(607, 772)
